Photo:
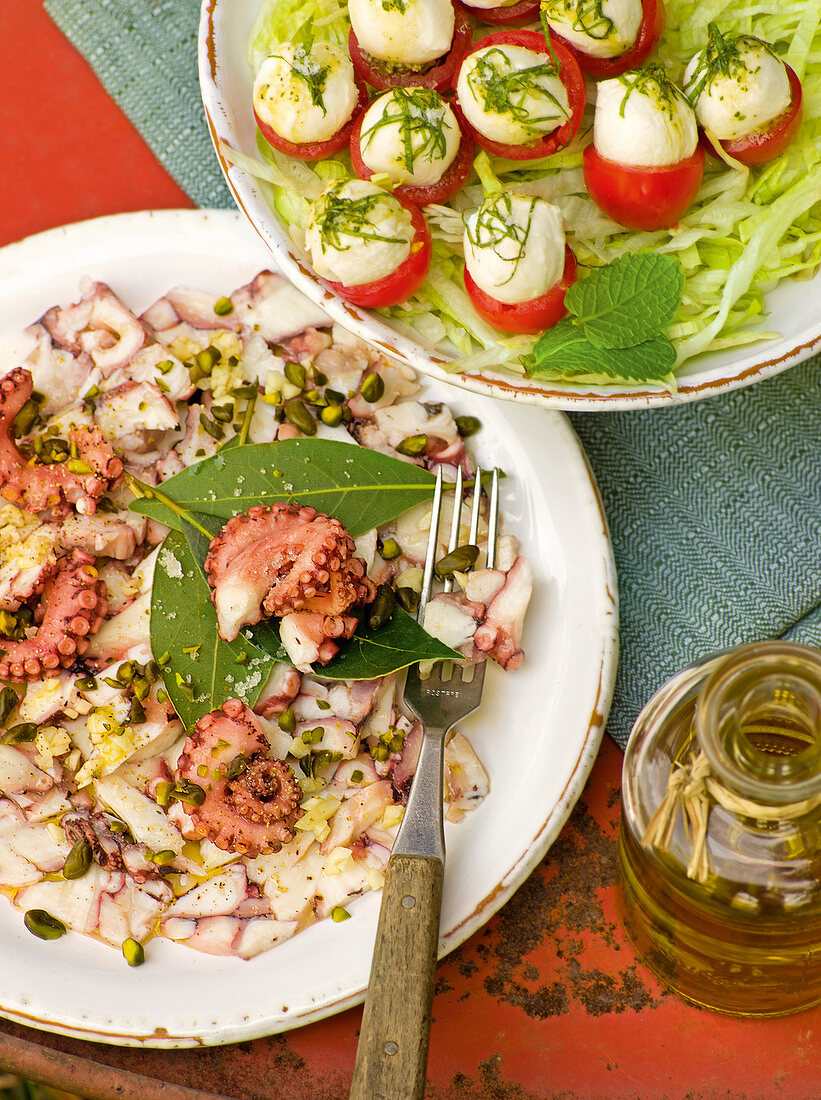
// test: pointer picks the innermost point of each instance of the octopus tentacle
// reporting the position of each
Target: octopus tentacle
(254, 812)
(112, 851)
(74, 603)
(36, 486)
(310, 638)
(282, 559)
(98, 324)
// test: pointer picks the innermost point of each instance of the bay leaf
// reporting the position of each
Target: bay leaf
(199, 542)
(202, 670)
(371, 653)
(183, 618)
(361, 488)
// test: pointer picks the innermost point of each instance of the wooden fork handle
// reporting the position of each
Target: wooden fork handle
(392, 1055)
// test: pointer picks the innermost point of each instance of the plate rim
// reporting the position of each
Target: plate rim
(429, 361)
(196, 222)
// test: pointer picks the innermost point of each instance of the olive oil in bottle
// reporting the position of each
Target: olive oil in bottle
(720, 839)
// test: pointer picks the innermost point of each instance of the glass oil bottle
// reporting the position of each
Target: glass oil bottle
(720, 838)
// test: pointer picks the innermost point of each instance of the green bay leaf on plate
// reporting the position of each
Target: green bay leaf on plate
(183, 618)
(372, 653)
(629, 301)
(565, 352)
(202, 670)
(194, 528)
(361, 488)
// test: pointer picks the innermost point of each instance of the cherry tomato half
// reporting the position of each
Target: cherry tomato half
(571, 77)
(380, 74)
(445, 188)
(316, 150)
(402, 283)
(643, 197)
(529, 317)
(767, 142)
(512, 15)
(649, 35)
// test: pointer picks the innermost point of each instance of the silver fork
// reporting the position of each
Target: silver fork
(392, 1055)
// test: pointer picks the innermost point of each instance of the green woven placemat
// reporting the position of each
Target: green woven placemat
(715, 515)
(145, 54)
(714, 507)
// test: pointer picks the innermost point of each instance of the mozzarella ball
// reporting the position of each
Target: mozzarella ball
(357, 233)
(643, 120)
(289, 81)
(406, 32)
(607, 33)
(756, 90)
(514, 246)
(410, 133)
(506, 98)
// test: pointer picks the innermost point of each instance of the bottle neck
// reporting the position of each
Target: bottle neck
(758, 720)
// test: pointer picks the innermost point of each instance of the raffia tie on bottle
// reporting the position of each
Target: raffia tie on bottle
(693, 789)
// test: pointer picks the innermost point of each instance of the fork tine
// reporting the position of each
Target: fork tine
(476, 507)
(455, 524)
(430, 553)
(493, 520)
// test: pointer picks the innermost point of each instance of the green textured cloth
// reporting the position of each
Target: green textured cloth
(714, 507)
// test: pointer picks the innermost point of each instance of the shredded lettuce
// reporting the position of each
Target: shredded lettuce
(296, 21)
(746, 231)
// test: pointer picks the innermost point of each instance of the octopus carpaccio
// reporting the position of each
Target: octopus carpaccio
(106, 822)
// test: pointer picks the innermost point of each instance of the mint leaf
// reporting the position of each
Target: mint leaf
(562, 339)
(628, 301)
(564, 352)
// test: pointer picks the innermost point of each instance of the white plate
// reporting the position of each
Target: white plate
(226, 83)
(538, 730)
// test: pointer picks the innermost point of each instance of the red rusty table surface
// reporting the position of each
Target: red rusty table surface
(548, 1000)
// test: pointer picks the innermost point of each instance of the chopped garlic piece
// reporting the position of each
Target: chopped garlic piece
(51, 741)
(392, 815)
(410, 578)
(339, 860)
(317, 811)
(375, 878)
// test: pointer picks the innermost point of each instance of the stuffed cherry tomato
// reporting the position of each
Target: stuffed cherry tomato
(412, 135)
(645, 165)
(373, 248)
(306, 100)
(520, 98)
(745, 97)
(607, 37)
(407, 43)
(517, 265)
(504, 15)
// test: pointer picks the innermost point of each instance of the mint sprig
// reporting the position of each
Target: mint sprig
(615, 325)
(568, 349)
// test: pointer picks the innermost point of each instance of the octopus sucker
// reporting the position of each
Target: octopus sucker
(36, 486)
(274, 561)
(253, 812)
(74, 603)
(270, 811)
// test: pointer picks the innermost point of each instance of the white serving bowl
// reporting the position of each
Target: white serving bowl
(226, 80)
